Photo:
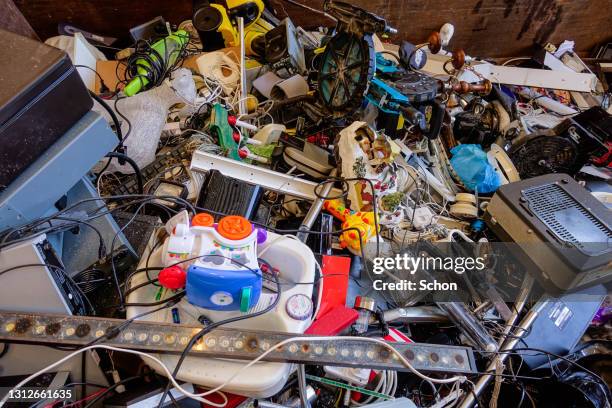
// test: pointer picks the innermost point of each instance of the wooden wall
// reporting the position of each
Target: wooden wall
(495, 28)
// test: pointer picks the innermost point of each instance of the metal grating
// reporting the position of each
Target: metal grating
(568, 219)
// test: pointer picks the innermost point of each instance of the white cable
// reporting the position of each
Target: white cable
(102, 346)
(401, 358)
(458, 378)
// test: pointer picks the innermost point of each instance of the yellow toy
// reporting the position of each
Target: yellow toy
(217, 20)
(361, 220)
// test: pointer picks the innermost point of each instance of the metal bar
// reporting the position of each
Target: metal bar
(469, 325)
(231, 343)
(267, 178)
(508, 346)
(315, 209)
(301, 377)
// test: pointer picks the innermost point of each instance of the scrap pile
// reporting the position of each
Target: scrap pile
(284, 168)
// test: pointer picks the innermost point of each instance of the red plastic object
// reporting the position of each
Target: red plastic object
(243, 153)
(236, 137)
(333, 322)
(231, 120)
(173, 277)
(335, 284)
(396, 336)
(233, 400)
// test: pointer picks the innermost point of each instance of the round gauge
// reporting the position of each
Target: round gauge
(221, 298)
(299, 307)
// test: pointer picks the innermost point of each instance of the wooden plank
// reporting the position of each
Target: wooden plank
(490, 28)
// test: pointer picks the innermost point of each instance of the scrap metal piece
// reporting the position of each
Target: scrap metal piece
(232, 343)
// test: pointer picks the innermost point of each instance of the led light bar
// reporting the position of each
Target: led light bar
(231, 343)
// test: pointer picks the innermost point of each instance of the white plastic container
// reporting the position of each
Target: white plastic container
(296, 263)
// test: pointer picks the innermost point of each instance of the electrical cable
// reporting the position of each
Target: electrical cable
(102, 85)
(211, 327)
(344, 193)
(5, 349)
(104, 105)
(114, 331)
(131, 162)
(198, 397)
(101, 395)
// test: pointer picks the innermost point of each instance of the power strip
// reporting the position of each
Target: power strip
(232, 343)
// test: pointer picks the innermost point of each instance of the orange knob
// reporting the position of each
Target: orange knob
(202, 220)
(234, 227)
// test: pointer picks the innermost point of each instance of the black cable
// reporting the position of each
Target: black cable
(129, 123)
(83, 374)
(140, 198)
(80, 295)
(211, 327)
(101, 245)
(345, 191)
(117, 330)
(103, 103)
(102, 84)
(156, 66)
(5, 349)
(131, 162)
(109, 389)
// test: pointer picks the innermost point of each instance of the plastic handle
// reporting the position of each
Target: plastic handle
(245, 299)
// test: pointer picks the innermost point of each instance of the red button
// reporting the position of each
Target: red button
(173, 277)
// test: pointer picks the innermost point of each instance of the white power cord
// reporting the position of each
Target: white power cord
(198, 397)
(139, 353)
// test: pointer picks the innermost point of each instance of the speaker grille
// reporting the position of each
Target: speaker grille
(568, 219)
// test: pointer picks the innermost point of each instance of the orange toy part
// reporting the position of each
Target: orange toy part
(234, 227)
(364, 223)
(202, 220)
(337, 209)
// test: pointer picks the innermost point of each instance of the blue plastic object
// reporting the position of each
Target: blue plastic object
(218, 289)
(471, 165)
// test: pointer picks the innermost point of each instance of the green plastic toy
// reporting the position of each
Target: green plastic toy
(220, 128)
(168, 48)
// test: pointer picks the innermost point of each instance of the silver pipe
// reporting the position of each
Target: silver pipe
(301, 377)
(508, 346)
(315, 209)
(311, 396)
(415, 314)
(469, 325)
(521, 300)
(268, 404)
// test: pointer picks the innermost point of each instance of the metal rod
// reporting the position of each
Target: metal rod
(469, 325)
(242, 103)
(301, 377)
(315, 209)
(508, 346)
(521, 300)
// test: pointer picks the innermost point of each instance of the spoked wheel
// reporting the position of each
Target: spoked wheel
(346, 70)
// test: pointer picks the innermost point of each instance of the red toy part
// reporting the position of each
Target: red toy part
(173, 277)
(232, 120)
(233, 400)
(333, 322)
(335, 283)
